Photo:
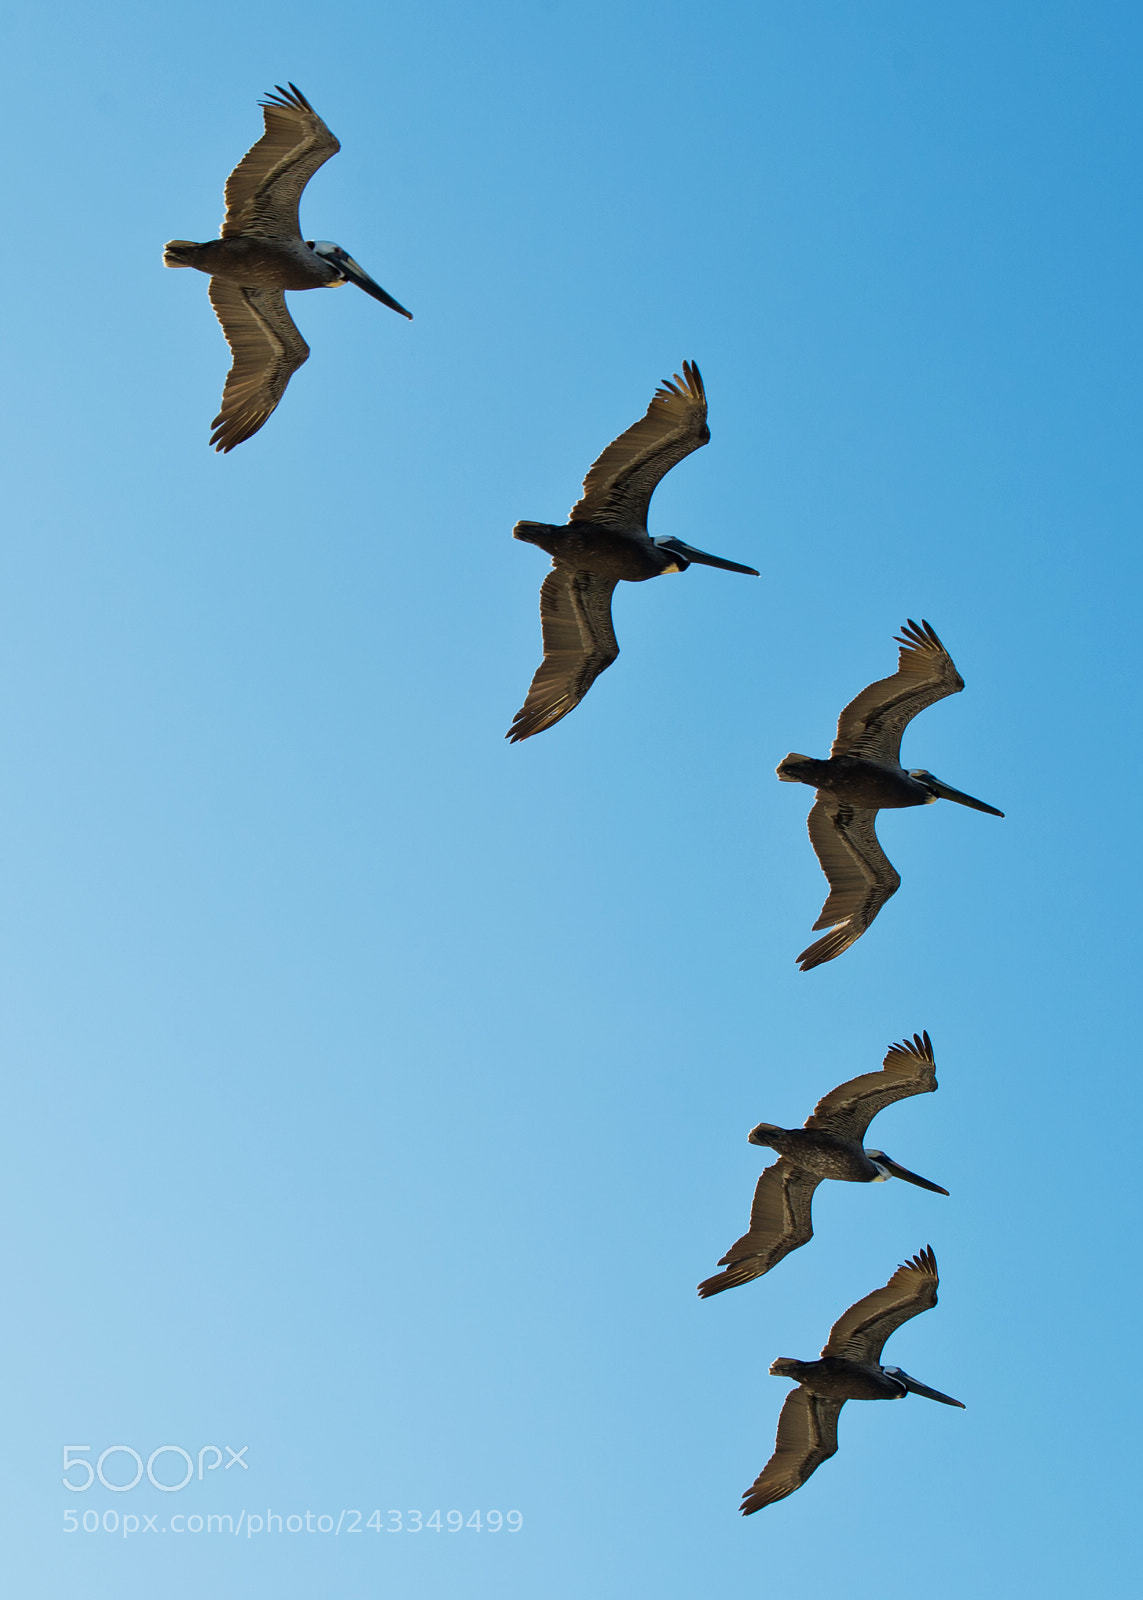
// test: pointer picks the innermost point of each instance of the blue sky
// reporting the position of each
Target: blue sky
(377, 1092)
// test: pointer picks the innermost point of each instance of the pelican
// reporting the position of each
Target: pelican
(849, 1369)
(606, 539)
(828, 1146)
(261, 252)
(864, 775)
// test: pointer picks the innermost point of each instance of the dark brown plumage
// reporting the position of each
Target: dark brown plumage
(829, 1145)
(620, 482)
(264, 190)
(864, 775)
(260, 254)
(605, 541)
(266, 350)
(849, 1369)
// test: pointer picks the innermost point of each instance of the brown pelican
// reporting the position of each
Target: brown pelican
(606, 539)
(828, 1146)
(848, 1370)
(864, 775)
(260, 253)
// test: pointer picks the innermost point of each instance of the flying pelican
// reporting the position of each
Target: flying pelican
(864, 775)
(850, 1369)
(828, 1146)
(606, 539)
(261, 252)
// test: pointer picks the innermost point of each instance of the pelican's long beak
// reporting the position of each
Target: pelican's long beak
(689, 553)
(944, 792)
(896, 1171)
(355, 274)
(930, 1394)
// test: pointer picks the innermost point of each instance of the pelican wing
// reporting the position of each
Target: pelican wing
(859, 1333)
(871, 725)
(860, 875)
(267, 350)
(779, 1222)
(263, 191)
(807, 1436)
(579, 644)
(619, 486)
(847, 1111)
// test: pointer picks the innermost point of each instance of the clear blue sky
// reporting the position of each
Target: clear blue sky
(377, 1092)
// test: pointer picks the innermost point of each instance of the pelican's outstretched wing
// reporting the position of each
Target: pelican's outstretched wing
(267, 350)
(872, 724)
(807, 1436)
(859, 1333)
(847, 1111)
(263, 191)
(779, 1222)
(579, 644)
(619, 486)
(860, 875)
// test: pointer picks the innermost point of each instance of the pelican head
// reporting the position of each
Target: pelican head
(911, 1386)
(943, 791)
(349, 272)
(684, 554)
(888, 1168)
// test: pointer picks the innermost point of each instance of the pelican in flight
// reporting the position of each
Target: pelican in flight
(606, 539)
(828, 1146)
(260, 253)
(849, 1369)
(864, 775)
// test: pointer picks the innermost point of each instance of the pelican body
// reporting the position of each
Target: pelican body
(629, 555)
(832, 1378)
(868, 783)
(259, 263)
(827, 1156)
(830, 1145)
(260, 255)
(863, 776)
(605, 542)
(849, 1369)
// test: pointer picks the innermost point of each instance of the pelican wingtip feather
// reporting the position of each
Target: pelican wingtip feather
(689, 385)
(288, 99)
(920, 1047)
(924, 1261)
(919, 635)
(922, 639)
(828, 949)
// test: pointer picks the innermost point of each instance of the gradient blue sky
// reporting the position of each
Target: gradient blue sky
(377, 1092)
